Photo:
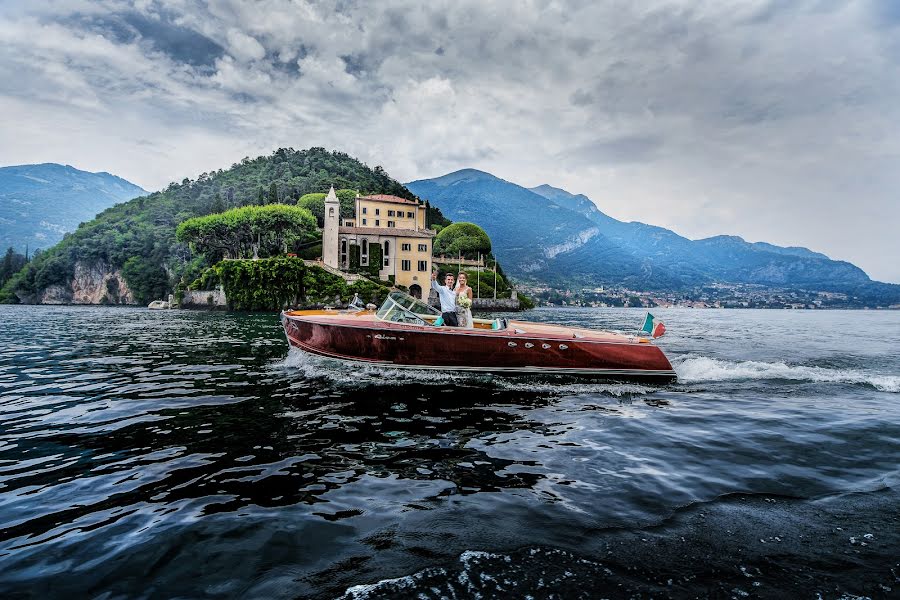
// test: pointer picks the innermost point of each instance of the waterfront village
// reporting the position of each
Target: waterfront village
(716, 295)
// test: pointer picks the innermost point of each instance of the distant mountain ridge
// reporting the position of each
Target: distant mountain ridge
(41, 203)
(549, 235)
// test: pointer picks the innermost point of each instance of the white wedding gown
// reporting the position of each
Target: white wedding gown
(464, 315)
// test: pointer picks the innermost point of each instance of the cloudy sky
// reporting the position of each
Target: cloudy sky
(775, 120)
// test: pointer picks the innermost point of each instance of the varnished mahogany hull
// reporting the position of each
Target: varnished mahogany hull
(509, 351)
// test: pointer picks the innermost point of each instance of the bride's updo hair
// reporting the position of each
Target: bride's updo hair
(462, 274)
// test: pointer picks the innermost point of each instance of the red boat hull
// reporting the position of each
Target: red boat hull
(549, 350)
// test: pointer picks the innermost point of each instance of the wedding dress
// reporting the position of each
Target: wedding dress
(464, 315)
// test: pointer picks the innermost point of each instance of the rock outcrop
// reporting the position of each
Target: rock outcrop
(93, 283)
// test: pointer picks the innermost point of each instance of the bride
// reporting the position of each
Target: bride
(464, 291)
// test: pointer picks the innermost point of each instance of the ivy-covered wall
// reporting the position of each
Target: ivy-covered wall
(273, 283)
(375, 256)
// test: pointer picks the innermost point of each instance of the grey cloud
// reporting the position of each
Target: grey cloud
(620, 150)
(709, 115)
(180, 43)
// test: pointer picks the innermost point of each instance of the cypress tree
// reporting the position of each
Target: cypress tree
(273, 193)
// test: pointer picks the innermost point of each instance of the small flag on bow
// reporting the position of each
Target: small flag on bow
(653, 326)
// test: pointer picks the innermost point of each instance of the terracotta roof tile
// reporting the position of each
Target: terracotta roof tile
(389, 198)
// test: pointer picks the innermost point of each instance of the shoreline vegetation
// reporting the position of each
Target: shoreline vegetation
(247, 235)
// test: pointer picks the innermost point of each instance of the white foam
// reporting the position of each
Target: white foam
(310, 366)
(697, 369)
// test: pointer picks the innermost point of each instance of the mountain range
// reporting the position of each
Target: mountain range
(548, 235)
(41, 203)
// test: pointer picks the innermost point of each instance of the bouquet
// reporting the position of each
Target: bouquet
(463, 301)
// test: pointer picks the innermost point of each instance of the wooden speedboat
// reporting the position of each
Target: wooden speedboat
(403, 333)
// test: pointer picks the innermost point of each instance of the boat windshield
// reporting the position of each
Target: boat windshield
(402, 308)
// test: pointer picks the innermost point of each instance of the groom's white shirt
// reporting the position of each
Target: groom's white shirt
(446, 295)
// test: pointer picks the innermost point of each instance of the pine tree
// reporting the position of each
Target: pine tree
(261, 199)
(273, 193)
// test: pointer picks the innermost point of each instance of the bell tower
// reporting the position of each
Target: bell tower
(330, 239)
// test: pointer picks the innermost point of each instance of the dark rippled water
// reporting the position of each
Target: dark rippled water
(179, 454)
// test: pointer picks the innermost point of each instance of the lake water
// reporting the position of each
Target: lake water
(170, 453)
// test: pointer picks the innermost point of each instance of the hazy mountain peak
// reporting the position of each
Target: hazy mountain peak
(464, 175)
(546, 188)
(39, 203)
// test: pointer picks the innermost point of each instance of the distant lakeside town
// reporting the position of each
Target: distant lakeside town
(717, 295)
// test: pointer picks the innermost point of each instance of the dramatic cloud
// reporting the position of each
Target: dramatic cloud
(772, 120)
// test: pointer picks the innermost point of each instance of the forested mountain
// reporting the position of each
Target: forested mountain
(135, 241)
(548, 235)
(41, 203)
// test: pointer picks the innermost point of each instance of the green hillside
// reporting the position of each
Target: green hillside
(138, 236)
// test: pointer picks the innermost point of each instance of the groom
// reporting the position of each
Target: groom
(448, 298)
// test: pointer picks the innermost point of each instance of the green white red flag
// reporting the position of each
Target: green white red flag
(653, 326)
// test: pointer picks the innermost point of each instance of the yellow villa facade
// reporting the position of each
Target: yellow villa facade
(395, 224)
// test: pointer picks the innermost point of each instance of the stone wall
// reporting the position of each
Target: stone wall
(498, 304)
(205, 299)
(483, 304)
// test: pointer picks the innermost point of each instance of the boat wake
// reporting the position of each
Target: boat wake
(310, 366)
(701, 369)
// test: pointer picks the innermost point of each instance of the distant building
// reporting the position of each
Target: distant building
(395, 224)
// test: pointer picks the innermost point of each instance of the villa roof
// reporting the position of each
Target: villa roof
(388, 231)
(389, 198)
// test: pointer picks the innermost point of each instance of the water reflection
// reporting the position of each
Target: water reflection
(135, 442)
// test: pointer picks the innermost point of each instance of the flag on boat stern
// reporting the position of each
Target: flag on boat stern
(653, 326)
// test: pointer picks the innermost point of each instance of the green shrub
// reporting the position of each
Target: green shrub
(467, 239)
(273, 283)
(315, 203)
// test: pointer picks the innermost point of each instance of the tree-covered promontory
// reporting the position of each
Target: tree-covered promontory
(138, 236)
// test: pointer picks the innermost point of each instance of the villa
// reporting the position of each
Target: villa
(386, 228)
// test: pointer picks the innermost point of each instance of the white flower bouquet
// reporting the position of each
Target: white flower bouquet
(463, 301)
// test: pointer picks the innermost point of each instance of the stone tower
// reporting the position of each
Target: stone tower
(330, 250)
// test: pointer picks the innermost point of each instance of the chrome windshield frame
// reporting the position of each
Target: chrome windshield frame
(401, 308)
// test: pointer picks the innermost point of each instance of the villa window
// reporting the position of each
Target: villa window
(377, 211)
(343, 251)
(406, 247)
(423, 247)
(423, 266)
(364, 221)
(391, 213)
(410, 215)
(365, 247)
(365, 210)
(377, 222)
(405, 265)
(387, 253)
(392, 223)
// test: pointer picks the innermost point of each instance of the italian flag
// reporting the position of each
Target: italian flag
(653, 326)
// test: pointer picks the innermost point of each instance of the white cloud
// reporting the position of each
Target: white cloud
(243, 46)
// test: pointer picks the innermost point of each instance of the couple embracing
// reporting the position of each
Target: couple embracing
(455, 301)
